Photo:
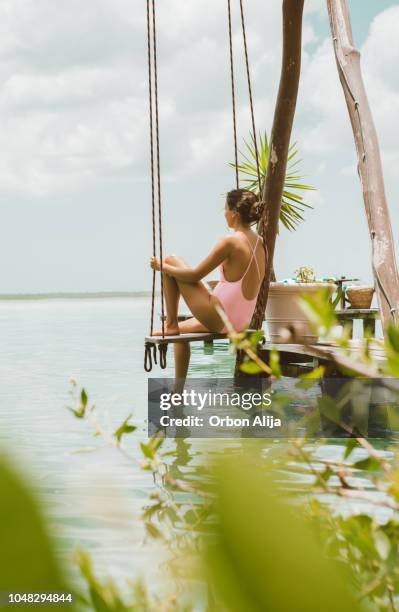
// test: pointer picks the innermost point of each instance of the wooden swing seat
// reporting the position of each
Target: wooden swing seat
(194, 337)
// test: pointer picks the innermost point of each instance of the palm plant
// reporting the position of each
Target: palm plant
(293, 204)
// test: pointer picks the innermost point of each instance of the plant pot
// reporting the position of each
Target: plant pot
(360, 297)
(284, 312)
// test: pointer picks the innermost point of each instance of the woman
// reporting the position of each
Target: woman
(241, 259)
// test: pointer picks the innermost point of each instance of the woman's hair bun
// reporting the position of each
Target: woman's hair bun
(247, 204)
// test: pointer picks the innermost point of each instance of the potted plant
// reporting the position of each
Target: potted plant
(283, 310)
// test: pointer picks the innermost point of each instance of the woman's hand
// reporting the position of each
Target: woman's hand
(155, 264)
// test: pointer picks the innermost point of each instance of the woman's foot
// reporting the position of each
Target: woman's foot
(169, 330)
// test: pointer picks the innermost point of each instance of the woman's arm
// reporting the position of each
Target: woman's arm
(192, 275)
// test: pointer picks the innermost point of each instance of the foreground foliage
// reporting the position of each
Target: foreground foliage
(259, 526)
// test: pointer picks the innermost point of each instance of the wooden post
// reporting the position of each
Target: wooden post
(280, 141)
(369, 162)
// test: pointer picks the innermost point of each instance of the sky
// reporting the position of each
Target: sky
(74, 163)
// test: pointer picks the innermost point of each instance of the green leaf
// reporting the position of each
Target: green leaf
(257, 337)
(83, 398)
(250, 367)
(274, 363)
(80, 412)
(153, 530)
(370, 464)
(77, 412)
(147, 450)
(125, 428)
(350, 445)
(307, 381)
(337, 298)
(156, 442)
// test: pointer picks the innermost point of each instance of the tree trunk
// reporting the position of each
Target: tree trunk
(279, 146)
(369, 162)
(280, 141)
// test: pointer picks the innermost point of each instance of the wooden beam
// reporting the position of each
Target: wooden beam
(280, 141)
(185, 338)
(369, 162)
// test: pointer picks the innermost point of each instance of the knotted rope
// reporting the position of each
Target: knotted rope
(153, 101)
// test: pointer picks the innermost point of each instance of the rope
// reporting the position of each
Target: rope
(162, 348)
(152, 166)
(250, 96)
(380, 284)
(150, 354)
(148, 358)
(154, 38)
(233, 97)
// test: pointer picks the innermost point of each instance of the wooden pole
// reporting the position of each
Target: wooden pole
(280, 141)
(369, 162)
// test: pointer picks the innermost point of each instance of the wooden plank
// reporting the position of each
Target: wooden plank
(206, 337)
(297, 351)
(357, 313)
(197, 337)
(286, 356)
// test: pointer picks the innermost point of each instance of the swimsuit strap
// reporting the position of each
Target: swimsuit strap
(253, 256)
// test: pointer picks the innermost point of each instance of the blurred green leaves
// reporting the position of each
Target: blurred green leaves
(105, 595)
(27, 560)
(319, 311)
(264, 556)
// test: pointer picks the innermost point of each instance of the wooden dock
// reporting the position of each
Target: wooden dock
(296, 359)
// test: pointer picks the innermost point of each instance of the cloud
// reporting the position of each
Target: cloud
(325, 122)
(380, 54)
(73, 90)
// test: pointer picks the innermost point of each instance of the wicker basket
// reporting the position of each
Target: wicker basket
(360, 297)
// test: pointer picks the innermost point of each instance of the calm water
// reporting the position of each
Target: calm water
(94, 499)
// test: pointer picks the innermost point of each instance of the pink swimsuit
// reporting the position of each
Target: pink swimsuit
(237, 307)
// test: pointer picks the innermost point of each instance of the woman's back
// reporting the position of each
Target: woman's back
(241, 276)
(246, 263)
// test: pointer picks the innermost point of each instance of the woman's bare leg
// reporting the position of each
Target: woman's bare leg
(182, 361)
(172, 297)
(205, 318)
(197, 298)
(199, 301)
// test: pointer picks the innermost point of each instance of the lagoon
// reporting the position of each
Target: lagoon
(94, 496)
